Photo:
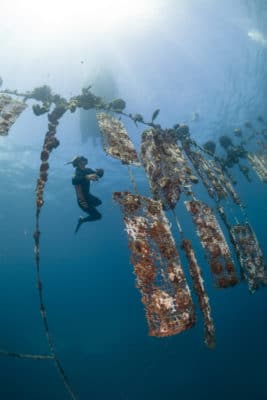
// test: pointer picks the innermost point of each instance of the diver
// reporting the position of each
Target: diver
(81, 181)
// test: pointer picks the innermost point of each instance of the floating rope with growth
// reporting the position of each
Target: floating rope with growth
(50, 143)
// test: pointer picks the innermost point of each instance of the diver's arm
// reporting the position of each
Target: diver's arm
(94, 175)
(98, 171)
(80, 176)
(91, 177)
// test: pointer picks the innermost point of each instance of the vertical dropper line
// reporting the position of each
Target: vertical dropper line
(177, 222)
(132, 179)
(43, 310)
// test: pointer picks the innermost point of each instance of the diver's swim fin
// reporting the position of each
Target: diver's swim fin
(79, 223)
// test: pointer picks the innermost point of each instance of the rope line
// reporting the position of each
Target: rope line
(177, 223)
(49, 338)
(28, 356)
(132, 179)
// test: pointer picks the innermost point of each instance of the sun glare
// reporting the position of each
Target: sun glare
(55, 17)
(77, 35)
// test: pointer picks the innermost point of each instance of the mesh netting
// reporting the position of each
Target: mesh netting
(10, 109)
(116, 141)
(214, 243)
(165, 166)
(159, 275)
(258, 162)
(250, 255)
(223, 180)
(212, 176)
(202, 296)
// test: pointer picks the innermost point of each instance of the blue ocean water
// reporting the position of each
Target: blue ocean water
(196, 56)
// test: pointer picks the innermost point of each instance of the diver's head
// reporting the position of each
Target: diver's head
(78, 162)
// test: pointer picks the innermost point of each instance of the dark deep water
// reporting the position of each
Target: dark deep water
(94, 310)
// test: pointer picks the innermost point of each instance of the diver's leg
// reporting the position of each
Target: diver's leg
(79, 223)
(94, 215)
(94, 201)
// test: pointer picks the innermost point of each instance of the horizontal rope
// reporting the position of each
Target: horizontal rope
(29, 356)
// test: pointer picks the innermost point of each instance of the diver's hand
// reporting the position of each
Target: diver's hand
(92, 177)
(100, 172)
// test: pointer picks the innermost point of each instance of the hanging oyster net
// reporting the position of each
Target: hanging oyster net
(116, 141)
(223, 180)
(212, 176)
(165, 166)
(258, 162)
(159, 275)
(10, 109)
(202, 296)
(214, 243)
(250, 255)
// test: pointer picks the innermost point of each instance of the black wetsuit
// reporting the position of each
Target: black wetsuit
(86, 201)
